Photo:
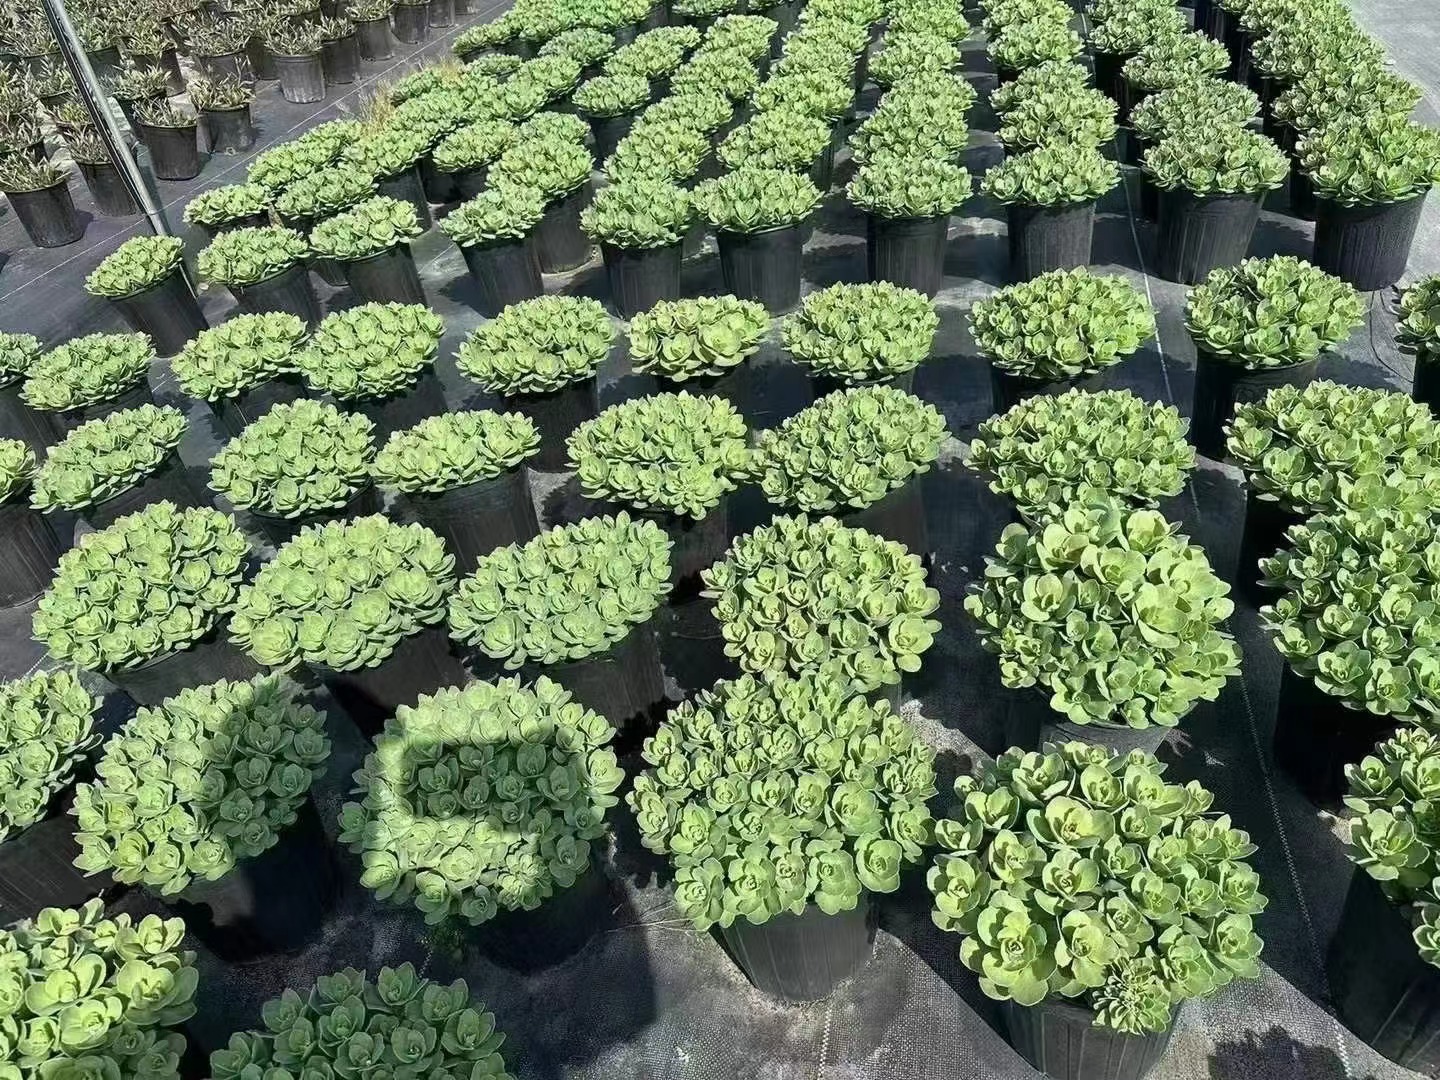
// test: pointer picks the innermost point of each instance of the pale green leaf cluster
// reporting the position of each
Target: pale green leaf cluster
(936, 18)
(227, 203)
(246, 256)
(475, 145)
(924, 117)
(700, 111)
(891, 185)
(17, 353)
(446, 452)
(1052, 175)
(87, 371)
(751, 200)
(671, 151)
(324, 192)
(1051, 77)
(495, 65)
(538, 346)
(1128, 29)
(583, 43)
(47, 730)
(17, 469)
(377, 224)
(388, 151)
(820, 94)
(1371, 159)
(655, 53)
(1171, 60)
(1332, 90)
(1069, 114)
(611, 95)
(371, 351)
(103, 458)
(779, 139)
(638, 214)
(282, 165)
(1217, 158)
(555, 166)
(550, 126)
(238, 355)
(503, 211)
(1025, 44)
(140, 263)
(697, 337)
(723, 71)
(1417, 332)
(859, 333)
(747, 34)
(905, 54)
(1191, 105)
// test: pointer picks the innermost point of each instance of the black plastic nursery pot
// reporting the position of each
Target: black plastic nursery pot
(37, 867)
(174, 151)
(421, 664)
(1044, 238)
(1221, 385)
(1030, 723)
(48, 215)
(408, 187)
(1060, 1039)
(763, 266)
(1368, 246)
(167, 311)
(1426, 388)
(275, 902)
(340, 60)
(1199, 233)
(439, 187)
(411, 22)
(799, 958)
(290, 290)
(899, 516)
(228, 131)
(302, 78)
(231, 65)
(530, 941)
(129, 108)
(476, 519)
(374, 40)
(170, 482)
(624, 685)
(1265, 524)
(1007, 390)
(697, 545)
(504, 273)
(282, 530)
(388, 275)
(909, 252)
(1107, 74)
(467, 183)
(608, 131)
(29, 550)
(422, 399)
(1303, 203)
(555, 416)
(560, 243)
(641, 277)
(1316, 736)
(236, 413)
(207, 660)
(1382, 990)
(442, 12)
(107, 190)
(19, 421)
(262, 60)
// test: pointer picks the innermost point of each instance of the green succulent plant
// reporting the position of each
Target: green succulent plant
(749, 34)
(699, 111)
(1274, 312)
(780, 139)
(1334, 91)
(858, 333)
(446, 452)
(96, 996)
(475, 145)
(611, 95)
(583, 44)
(904, 55)
(239, 355)
(926, 117)
(371, 351)
(555, 166)
(1217, 159)
(495, 65)
(1291, 49)
(699, 337)
(190, 788)
(387, 152)
(1025, 44)
(753, 200)
(1001, 15)
(246, 256)
(1052, 175)
(1174, 59)
(18, 352)
(724, 71)
(802, 596)
(103, 458)
(638, 214)
(655, 53)
(1129, 29)
(88, 370)
(771, 795)
(377, 224)
(894, 186)
(47, 732)
(671, 152)
(571, 593)
(153, 583)
(1053, 76)
(503, 211)
(1068, 114)
(941, 20)
(1077, 872)
(1371, 159)
(820, 94)
(487, 35)
(140, 263)
(1417, 332)
(17, 470)
(538, 346)
(344, 595)
(230, 202)
(282, 165)
(324, 192)
(482, 798)
(1201, 103)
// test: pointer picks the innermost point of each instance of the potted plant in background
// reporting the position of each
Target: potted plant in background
(113, 466)
(654, 55)
(30, 546)
(1191, 106)
(821, 93)
(1029, 42)
(575, 605)
(264, 269)
(319, 195)
(137, 85)
(225, 109)
(904, 55)
(358, 603)
(218, 46)
(1050, 195)
(378, 359)
(1062, 114)
(243, 366)
(339, 51)
(794, 907)
(1106, 319)
(1124, 31)
(170, 134)
(699, 343)
(1093, 947)
(302, 463)
(148, 46)
(463, 476)
(411, 21)
(520, 873)
(701, 14)
(495, 232)
(107, 190)
(372, 27)
(927, 116)
(1167, 62)
(782, 139)
(640, 226)
(757, 215)
(468, 153)
(560, 170)
(392, 157)
(230, 206)
(53, 85)
(1417, 333)
(17, 353)
(370, 243)
(191, 560)
(541, 355)
(849, 335)
(144, 279)
(231, 842)
(39, 193)
(611, 104)
(908, 202)
(296, 49)
(1257, 326)
(89, 377)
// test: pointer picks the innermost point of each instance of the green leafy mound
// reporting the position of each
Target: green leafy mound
(779, 139)
(655, 53)
(190, 788)
(324, 192)
(284, 164)
(229, 202)
(638, 214)
(247, 256)
(1174, 59)
(862, 333)
(1371, 159)
(1053, 76)
(502, 212)
(906, 54)
(612, 95)
(1418, 331)
(751, 200)
(555, 166)
(1080, 873)
(103, 458)
(367, 228)
(1052, 175)
(371, 351)
(446, 452)
(924, 118)
(140, 263)
(1126, 30)
(475, 145)
(17, 469)
(697, 337)
(239, 355)
(1193, 104)
(1033, 41)
(538, 346)
(669, 152)
(824, 95)
(1217, 159)
(87, 370)
(47, 730)
(482, 798)
(1067, 114)
(17, 353)
(699, 111)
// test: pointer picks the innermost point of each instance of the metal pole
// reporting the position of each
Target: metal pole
(97, 103)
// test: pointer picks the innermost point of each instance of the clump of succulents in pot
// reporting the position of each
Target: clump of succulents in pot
(586, 45)
(339, 51)
(611, 103)
(1033, 41)
(786, 862)
(1094, 899)
(928, 116)
(371, 244)
(89, 377)
(704, 112)
(822, 94)
(392, 156)
(904, 55)
(468, 152)
(671, 151)
(1417, 333)
(698, 342)
(560, 170)
(144, 279)
(1257, 326)
(39, 193)
(29, 547)
(1167, 62)
(224, 106)
(654, 55)
(358, 603)
(322, 145)
(495, 232)
(908, 202)
(242, 855)
(521, 813)
(17, 417)
(640, 226)
(243, 366)
(849, 335)
(1064, 114)
(1050, 195)
(264, 268)
(785, 139)
(1123, 32)
(230, 206)
(541, 355)
(758, 216)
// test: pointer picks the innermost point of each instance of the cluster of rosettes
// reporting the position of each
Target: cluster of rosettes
(371, 351)
(1053, 76)
(1050, 452)
(1175, 59)
(322, 193)
(47, 727)
(153, 582)
(1369, 159)
(17, 353)
(191, 787)
(1078, 872)
(538, 346)
(87, 371)
(570, 593)
(862, 333)
(17, 469)
(819, 597)
(825, 95)
(751, 199)
(367, 228)
(893, 185)
(655, 53)
(103, 458)
(778, 139)
(240, 354)
(475, 145)
(638, 214)
(697, 337)
(1204, 101)
(769, 795)
(136, 265)
(229, 202)
(925, 116)
(669, 152)
(246, 256)
(1065, 114)
(482, 798)
(1111, 611)
(555, 166)
(282, 165)
(1052, 175)
(446, 452)
(1359, 613)
(1217, 158)
(344, 595)
(905, 55)
(1418, 331)
(1028, 42)
(848, 450)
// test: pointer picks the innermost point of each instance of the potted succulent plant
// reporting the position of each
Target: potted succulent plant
(39, 193)
(541, 355)
(144, 278)
(370, 244)
(317, 196)
(1123, 32)
(905, 54)
(824, 94)
(1257, 326)
(1191, 106)
(924, 118)
(392, 157)
(30, 546)
(148, 46)
(230, 206)
(107, 189)
(264, 268)
(113, 466)
(640, 226)
(588, 46)
(295, 47)
(224, 106)
(845, 637)
(908, 202)
(654, 55)
(668, 151)
(1105, 317)
(372, 27)
(574, 605)
(243, 366)
(468, 153)
(17, 418)
(757, 215)
(170, 134)
(280, 166)
(1050, 195)
(1092, 946)
(1167, 62)
(785, 139)
(560, 170)
(704, 112)
(611, 103)
(520, 871)
(794, 908)
(1030, 42)
(698, 342)
(191, 562)
(1063, 114)
(411, 20)
(371, 637)
(495, 232)
(137, 85)
(339, 51)
(218, 46)
(89, 377)
(1418, 333)
(302, 463)
(701, 14)
(850, 335)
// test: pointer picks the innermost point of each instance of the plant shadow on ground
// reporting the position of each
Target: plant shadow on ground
(1275, 1055)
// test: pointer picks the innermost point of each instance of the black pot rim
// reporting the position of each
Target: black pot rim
(377, 254)
(35, 191)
